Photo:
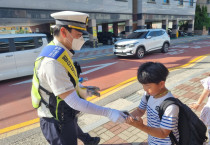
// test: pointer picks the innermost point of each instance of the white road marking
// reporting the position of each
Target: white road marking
(23, 82)
(96, 67)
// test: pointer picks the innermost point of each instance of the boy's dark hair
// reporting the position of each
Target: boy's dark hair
(57, 28)
(152, 72)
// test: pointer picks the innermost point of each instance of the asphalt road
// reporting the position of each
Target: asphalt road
(115, 76)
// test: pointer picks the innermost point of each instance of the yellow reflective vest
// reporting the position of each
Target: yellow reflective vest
(61, 55)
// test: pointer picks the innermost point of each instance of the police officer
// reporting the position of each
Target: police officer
(56, 91)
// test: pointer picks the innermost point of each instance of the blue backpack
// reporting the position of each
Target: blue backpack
(192, 131)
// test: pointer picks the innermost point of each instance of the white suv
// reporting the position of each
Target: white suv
(141, 41)
(18, 53)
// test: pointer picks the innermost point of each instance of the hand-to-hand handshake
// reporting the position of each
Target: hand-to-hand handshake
(113, 114)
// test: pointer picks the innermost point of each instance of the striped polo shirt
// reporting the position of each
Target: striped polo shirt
(169, 120)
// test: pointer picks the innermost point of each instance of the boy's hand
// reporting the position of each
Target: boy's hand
(137, 122)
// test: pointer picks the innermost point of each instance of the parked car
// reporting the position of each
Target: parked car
(107, 37)
(115, 39)
(122, 34)
(170, 32)
(142, 41)
(18, 52)
(87, 41)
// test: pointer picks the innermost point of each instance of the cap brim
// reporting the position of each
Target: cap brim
(83, 32)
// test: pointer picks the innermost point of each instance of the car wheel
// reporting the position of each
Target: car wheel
(140, 52)
(165, 48)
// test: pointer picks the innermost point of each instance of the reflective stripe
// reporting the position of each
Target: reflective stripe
(35, 96)
(58, 101)
(68, 64)
(35, 82)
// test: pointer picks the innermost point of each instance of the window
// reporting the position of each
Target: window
(166, 1)
(40, 42)
(180, 2)
(122, 0)
(137, 35)
(150, 0)
(24, 43)
(191, 2)
(159, 33)
(153, 34)
(208, 2)
(4, 45)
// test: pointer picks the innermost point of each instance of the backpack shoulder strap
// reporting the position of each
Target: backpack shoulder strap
(147, 97)
(163, 106)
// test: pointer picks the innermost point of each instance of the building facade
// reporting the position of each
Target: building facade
(133, 14)
(148, 12)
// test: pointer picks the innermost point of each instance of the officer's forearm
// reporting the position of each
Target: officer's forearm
(75, 102)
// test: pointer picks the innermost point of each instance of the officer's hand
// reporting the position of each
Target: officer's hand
(93, 90)
(117, 116)
(87, 91)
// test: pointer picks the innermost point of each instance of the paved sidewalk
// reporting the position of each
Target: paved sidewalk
(124, 134)
(184, 85)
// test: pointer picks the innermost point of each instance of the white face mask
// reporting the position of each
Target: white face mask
(76, 43)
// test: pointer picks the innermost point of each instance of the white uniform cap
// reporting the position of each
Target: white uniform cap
(75, 20)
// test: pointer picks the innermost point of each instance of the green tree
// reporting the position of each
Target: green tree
(206, 19)
(201, 17)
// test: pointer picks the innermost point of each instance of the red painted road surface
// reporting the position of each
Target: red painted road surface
(15, 101)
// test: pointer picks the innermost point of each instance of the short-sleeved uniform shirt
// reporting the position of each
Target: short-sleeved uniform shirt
(169, 120)
(54, 78)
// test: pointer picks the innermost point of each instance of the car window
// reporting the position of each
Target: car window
(40, 41)
(4, 45)
(153, 34)
(159, 33)
(24, 43)
(163, 32)
(137, 35)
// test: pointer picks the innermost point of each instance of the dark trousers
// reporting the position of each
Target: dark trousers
(63, 134)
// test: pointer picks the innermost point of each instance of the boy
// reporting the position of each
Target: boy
(152, 76)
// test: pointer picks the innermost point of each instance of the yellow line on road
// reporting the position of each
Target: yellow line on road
(104, 94)
(190, 63)
(112, 90)
(109, 54)
(4, 130)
